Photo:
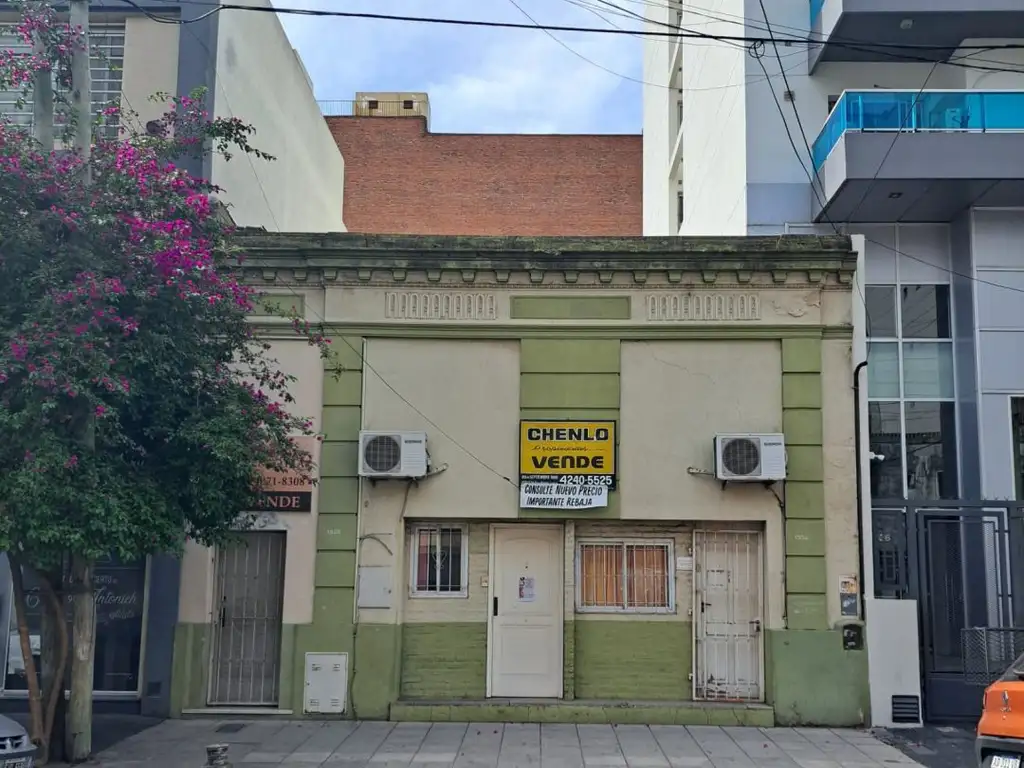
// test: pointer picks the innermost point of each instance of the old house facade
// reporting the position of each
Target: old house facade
(559, 480)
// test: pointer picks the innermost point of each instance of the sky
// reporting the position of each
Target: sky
(480, 80)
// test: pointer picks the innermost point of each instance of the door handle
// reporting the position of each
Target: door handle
(224, 612)
(757, 625)
(495, 606)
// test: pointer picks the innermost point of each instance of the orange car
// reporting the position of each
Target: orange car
(1000, 739)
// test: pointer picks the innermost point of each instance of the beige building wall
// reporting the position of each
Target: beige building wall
(676, 396)
(197, 570)
(261, 80)
(150, 67)
(470, 389)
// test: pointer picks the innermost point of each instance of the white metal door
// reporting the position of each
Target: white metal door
(248, 598)
(728, 612)
(525, 644)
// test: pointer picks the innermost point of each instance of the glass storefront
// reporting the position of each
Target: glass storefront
(120, 617)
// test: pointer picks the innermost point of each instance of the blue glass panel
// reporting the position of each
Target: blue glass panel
(911, 111)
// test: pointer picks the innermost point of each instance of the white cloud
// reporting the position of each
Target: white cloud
(479, 79)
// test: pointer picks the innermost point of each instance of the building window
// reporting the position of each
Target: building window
(439, 561)
(625, 576)
(679, 209)
(106, 63)
(120, 615)
(911, 393)
(1017, 425)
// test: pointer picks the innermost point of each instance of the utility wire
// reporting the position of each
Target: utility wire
(577, 54)
(896, 137)
(896, 251)
(366, 364)
(672, 34)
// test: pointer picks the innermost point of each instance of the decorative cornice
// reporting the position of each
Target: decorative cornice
(474, 280)
(349, 259)
(275, 331)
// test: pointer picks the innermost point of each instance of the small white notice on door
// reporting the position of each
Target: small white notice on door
(526, 589)
(559, 496)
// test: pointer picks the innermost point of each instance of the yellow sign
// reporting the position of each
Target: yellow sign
(567, 452)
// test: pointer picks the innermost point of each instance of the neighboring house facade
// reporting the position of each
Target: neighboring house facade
(642, 588)
(402, 179)
(239, 58)
(921, 150)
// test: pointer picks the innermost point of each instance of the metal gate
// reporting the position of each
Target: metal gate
(728, 606)
(953, 557)
(248, 597)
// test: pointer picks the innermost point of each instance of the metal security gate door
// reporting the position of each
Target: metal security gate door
(954, 558)
(248, 596)
(728, 606)
(964, 580)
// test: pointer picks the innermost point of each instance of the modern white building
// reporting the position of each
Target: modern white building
(907, 118)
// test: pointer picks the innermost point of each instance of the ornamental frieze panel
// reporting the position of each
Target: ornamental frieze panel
(440, 305)
(703, 307)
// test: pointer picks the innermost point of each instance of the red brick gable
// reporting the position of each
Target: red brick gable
(401, 179)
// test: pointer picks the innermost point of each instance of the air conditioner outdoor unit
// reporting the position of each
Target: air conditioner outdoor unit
(757, 458)
(393, 454)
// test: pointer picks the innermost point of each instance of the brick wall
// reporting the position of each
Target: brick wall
(401, 179)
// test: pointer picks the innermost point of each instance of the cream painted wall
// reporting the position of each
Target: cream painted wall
(470, 389)
(197, 568)
(676, 396)
(260, 79)
(839, 457)
(150, 67)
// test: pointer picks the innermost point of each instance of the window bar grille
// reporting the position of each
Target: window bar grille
(106, 64)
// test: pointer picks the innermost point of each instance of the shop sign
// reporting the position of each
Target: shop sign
(571, 453)
(555, 495)
(289, 491)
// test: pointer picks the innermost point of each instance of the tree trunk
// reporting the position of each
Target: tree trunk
(35, 707)
(83, 634)
(55, 642)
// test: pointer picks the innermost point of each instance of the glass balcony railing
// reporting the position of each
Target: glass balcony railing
(919, 112)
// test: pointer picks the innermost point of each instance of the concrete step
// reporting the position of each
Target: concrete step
(584, 711)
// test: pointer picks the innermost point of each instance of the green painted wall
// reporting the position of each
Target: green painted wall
(635, 659)
(332, 628)
(570, 308)
(806, 580)
(374, 683)
(190, 667)
(444, 661)
(811, 680)
(570, 378)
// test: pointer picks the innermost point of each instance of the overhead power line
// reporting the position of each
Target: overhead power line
(672, 33)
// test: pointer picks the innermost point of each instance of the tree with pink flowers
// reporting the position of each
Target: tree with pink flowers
(137, 408)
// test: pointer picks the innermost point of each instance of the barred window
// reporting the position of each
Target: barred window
(439, 561)
(106, 62)
(633, 576)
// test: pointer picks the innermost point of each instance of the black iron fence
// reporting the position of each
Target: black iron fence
(989, 651)
(955, 559)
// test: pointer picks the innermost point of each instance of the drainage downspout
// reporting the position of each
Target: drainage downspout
(860, 472)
